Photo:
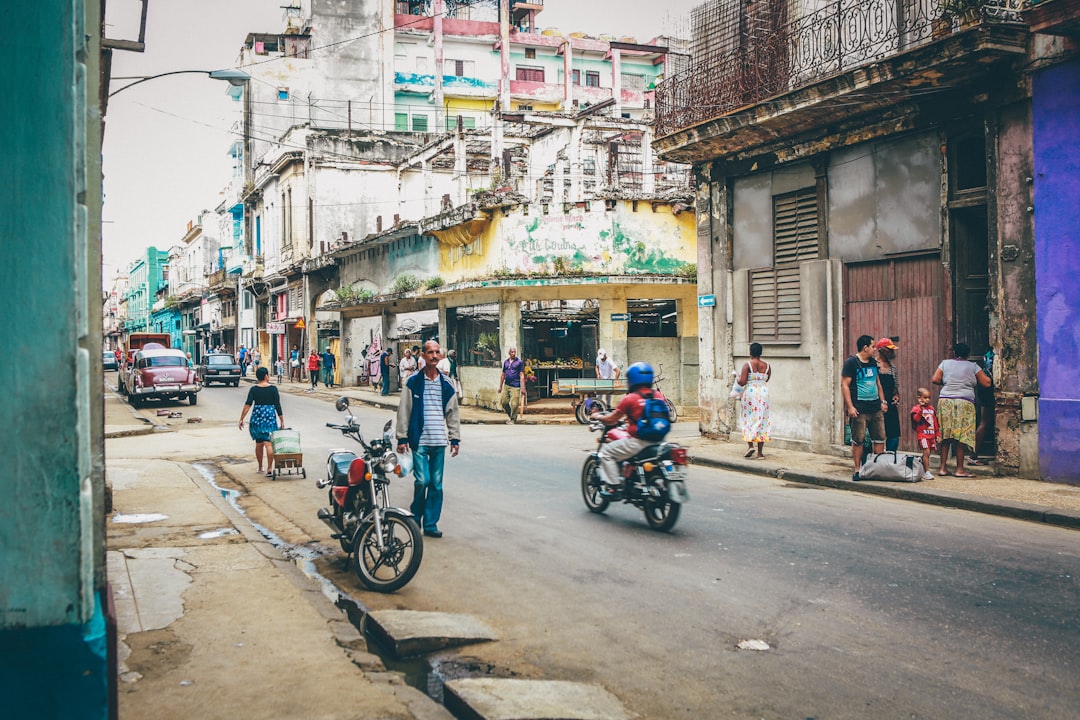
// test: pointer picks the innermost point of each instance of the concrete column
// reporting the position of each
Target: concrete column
(461, 168)
(714, 323)
(616, 82)
(509, 324)
(438, 9)
(576, 171)
(647, 165)
(504, 55)
(612, 333)
(568, 76)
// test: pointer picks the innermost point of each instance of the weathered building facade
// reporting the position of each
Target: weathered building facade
(352, 159)
(859, 177)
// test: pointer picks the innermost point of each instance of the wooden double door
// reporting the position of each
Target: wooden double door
(904, 299)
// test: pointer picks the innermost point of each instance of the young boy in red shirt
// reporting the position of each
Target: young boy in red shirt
(927, 431)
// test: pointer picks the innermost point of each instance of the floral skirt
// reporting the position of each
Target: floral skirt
(263, 422)
(957, 419)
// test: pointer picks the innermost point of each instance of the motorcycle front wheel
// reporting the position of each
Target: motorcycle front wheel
(661, 512)
(392, 567)
(590, 488)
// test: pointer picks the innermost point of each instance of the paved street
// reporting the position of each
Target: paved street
(870, 606)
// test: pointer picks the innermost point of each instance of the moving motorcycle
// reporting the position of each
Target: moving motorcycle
(654, 480)
(384, 543)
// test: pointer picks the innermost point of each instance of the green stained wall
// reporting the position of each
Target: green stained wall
(52, 633)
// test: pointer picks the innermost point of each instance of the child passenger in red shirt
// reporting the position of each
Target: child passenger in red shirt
(927, 431)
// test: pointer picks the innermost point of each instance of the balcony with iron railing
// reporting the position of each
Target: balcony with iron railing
(771, 55)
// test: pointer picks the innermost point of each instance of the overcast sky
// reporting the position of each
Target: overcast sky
(166, 141)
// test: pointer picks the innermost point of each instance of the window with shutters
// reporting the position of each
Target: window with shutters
(419, 123)
(592, 78)
(775, 302)
(530, 74)
(468, 123)
(296, 298)
(401, 122)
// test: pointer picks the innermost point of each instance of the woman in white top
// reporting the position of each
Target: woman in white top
(956, 406)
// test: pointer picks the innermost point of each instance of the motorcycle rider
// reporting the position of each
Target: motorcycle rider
(639, 378)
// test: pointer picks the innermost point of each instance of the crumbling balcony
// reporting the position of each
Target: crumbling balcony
(764, 75)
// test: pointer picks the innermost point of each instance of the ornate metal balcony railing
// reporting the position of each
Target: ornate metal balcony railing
(771, 55)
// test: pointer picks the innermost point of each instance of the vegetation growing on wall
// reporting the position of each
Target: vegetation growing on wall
(404, 283)
(433, 282)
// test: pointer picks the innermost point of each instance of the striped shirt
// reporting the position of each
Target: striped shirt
(434, 432)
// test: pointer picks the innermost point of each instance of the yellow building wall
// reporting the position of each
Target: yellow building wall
(595, 241)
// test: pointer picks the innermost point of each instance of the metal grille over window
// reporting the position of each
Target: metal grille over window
(775, 303)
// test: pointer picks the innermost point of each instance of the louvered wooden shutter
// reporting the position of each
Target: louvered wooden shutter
(775, 304)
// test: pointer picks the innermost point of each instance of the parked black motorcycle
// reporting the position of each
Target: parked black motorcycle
(653, 481)
(384, 543)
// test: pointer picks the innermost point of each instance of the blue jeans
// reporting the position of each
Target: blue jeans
(328, 376)
(427, 488)
(385, 383)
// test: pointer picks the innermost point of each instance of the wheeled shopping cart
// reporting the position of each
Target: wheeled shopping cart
(288, 459)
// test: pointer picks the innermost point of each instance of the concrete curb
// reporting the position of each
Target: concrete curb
(941, 498)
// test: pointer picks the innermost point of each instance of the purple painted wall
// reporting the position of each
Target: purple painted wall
(1055, 129)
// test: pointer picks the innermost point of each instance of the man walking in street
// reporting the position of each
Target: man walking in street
(427, 421)
(328, 363)
(510, 385)
(864, 400)
(385, 364)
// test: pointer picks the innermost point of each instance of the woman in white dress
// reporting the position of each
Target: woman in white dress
(756, 426)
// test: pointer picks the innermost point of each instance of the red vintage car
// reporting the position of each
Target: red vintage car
(160, 374)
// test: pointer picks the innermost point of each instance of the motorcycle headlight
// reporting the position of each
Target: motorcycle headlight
(390, 462)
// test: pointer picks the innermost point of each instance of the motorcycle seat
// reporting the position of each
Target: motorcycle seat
(648, 453)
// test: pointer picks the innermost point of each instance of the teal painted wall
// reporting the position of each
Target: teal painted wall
(52, 632)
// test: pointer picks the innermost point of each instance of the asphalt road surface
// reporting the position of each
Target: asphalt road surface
(871, 607)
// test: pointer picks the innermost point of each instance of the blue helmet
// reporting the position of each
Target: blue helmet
(639, 373)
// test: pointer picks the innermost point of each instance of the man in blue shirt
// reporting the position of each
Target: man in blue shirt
(427, 421)
(510, 385)
(864, 400)
(328, 361)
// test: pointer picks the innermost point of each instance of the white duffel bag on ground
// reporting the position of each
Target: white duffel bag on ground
(892, 467)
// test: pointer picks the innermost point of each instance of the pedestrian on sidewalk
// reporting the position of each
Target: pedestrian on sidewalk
(242, 360)
(294, 364)
(264, 404)
(279, 370)
(510, 385)
(958, 378)
(890, 383)
(313, 368)
(256, 359)
(385, 363)
(427, 421)
(927, 431)
(328, 363)
(864, 400)
(756, 425)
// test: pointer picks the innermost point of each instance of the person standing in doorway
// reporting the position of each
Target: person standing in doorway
(606, 369)
(386, 362)
(294, 364)
(313, 368)
(864, 400)
(510, 385)
(406, 368)
(886, 358)
(328, 364)
(428, 421)
(958, 378)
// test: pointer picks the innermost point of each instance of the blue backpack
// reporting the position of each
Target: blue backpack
(655, 421)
